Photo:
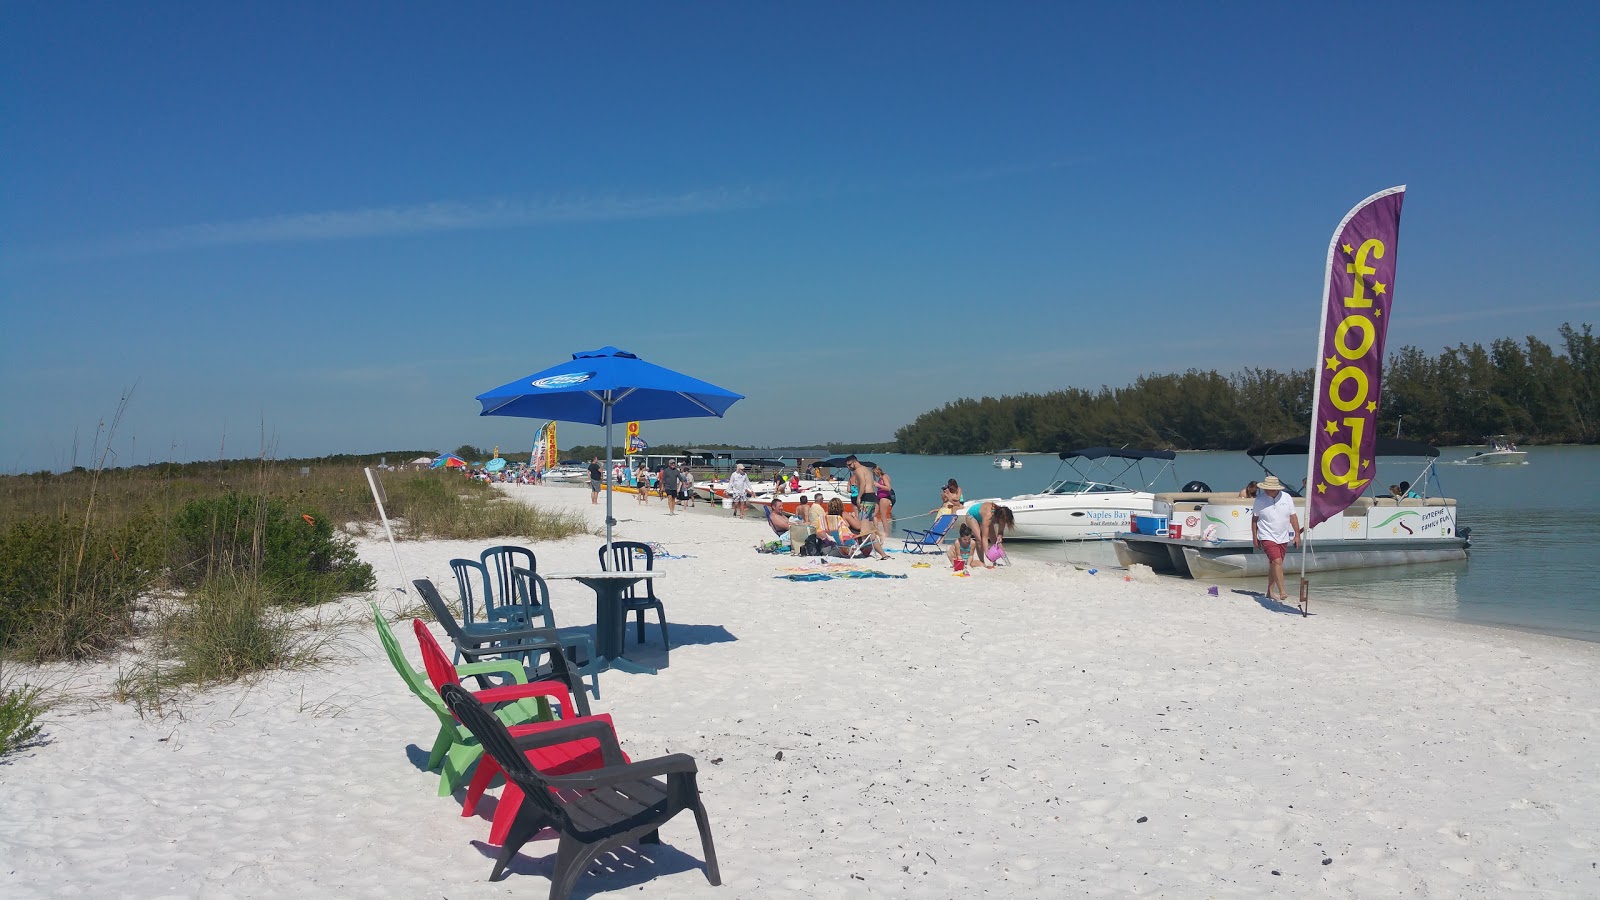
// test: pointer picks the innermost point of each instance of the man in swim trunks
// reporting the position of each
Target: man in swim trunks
(867, 492)
(1273, 527)
(669, 486)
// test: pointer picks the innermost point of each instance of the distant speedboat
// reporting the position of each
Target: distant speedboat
(567, 472)
(1499, 450)
(1006, 459)
(1084, 508)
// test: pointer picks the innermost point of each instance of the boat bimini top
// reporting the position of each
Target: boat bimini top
(1102, 460)
(1385, 446)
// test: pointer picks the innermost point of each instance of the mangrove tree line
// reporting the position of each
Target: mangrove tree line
(1531, 390)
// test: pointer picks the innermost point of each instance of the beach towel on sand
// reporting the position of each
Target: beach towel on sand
(830, 571)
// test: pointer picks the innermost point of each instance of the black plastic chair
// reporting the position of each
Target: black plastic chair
(478, 642)
(621, 559)
(592, 811)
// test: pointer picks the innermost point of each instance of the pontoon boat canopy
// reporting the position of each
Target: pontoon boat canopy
(1122, 452)
(762, 463)
(1296, 446)
(837, 463)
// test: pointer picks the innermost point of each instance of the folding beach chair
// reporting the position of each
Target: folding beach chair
(931, 540)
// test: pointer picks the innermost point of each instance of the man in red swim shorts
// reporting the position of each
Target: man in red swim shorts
(1273, 527)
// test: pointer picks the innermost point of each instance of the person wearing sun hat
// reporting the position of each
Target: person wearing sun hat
(1273, 527)
(739, 490)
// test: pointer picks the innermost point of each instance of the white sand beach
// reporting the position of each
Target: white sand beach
(1035, 731)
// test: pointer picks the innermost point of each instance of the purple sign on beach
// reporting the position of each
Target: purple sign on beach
(1356, 305)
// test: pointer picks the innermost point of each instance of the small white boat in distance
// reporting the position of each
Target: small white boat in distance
(1499, 450)
(1084, 508)
(1007, 459)
(567, 471)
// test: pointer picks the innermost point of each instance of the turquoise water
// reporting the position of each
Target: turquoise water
(1534, 563)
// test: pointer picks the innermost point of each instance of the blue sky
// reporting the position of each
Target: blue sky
(326, 227)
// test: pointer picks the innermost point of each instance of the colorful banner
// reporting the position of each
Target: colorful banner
(633, 444)
(1358, 293)
(544, 448)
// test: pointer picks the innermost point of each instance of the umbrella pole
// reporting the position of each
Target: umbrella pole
(609, 520)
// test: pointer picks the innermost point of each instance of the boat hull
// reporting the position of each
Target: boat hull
(1497, 458)
(1074, 517)
(1194, 559)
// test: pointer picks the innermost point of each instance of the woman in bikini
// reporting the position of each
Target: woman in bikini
(989, 521)
(885, 489)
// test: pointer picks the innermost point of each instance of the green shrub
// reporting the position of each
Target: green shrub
(20, 709)
(68, 593)
(294, 549)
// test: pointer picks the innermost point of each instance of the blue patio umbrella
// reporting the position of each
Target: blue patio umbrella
(599, 387)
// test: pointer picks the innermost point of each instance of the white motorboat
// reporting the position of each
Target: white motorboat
(1201, 534)
(1499, 450)
(567, 472)
(1083, 508)
(1007, 459)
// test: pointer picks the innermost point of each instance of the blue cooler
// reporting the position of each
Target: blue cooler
(1156, 525)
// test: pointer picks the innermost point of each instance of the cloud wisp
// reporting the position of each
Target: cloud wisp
(393, 221)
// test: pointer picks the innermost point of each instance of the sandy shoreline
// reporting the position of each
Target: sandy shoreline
(1035, 731)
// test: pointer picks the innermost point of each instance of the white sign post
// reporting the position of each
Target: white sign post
(378, 496)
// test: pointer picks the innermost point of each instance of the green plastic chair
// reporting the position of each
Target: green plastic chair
(455, 749)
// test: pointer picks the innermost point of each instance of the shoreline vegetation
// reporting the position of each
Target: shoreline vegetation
(1529, 390)
(206, 571)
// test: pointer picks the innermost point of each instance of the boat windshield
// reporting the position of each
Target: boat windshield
(1068, 486)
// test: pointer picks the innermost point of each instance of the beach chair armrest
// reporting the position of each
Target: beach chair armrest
(513, 672)
(674, 764)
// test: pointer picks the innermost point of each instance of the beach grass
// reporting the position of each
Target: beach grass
(81, 551)
(233, 626)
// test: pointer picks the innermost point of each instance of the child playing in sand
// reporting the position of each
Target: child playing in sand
(961, 551)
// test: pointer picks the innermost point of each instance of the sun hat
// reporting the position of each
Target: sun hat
(1270, 483)
(739, 467)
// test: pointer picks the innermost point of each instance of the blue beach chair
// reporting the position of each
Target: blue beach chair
(933, 538)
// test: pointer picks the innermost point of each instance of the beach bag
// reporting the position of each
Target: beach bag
(813, 547)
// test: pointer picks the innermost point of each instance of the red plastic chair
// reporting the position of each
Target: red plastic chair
(578, 755)
(442, 672)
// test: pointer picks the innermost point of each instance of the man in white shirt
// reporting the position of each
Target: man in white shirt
(739, 490)
(1273, 527)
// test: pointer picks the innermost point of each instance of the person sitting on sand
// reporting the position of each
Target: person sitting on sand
(989, 522)
(816, 515)
(779, 520)
(960, 553)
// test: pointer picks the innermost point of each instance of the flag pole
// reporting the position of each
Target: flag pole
(608, 401)
(1316, 379)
